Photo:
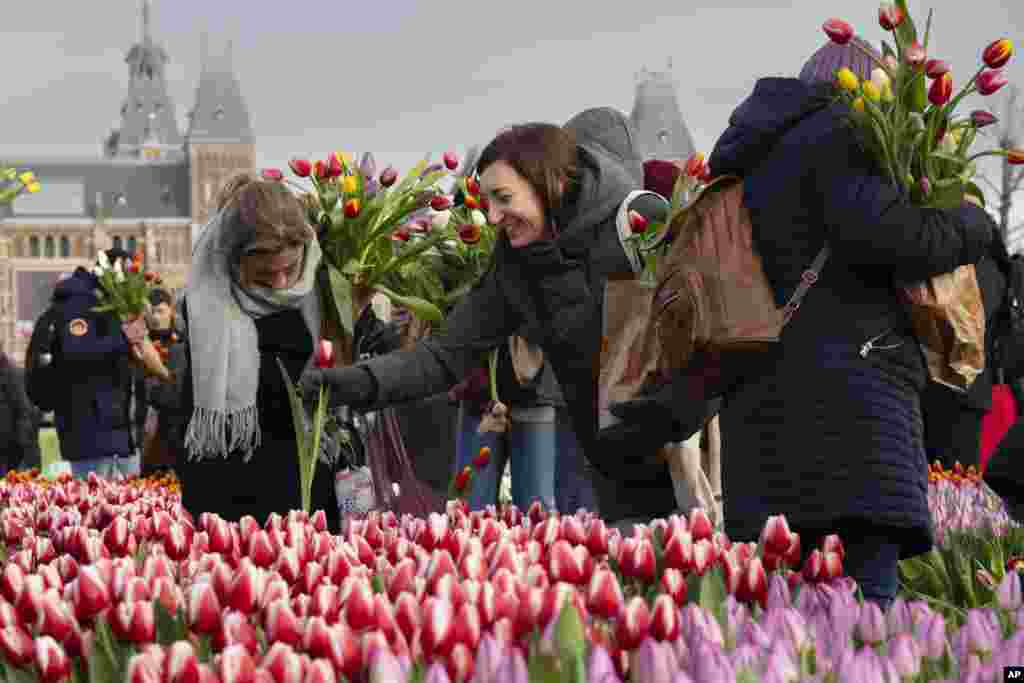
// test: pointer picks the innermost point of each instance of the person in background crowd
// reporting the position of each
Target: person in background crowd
(952, 420)
(158, 451)
(554, 195)
(252, 298)
(99, 417)
(19, 423)
(828, 430)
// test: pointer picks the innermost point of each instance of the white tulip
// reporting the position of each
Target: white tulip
(118, 276)
(117, 267)
(98, 271)
(440, 219)
(478, 217)
(102, 260)
(880, 78)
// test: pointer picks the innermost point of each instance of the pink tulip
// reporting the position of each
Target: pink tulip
(203, 609)
(325, 354)
(915, 55)
(90, 594)
(838, 31)
(259, 549)
(934, 68)
(283, 663)
(776, 535)
(246, 589)
(12, 582)
(16, 645)
(181, 664)
(438, 632)
(814, 566)
(360, 611)
(178, 541)
(451, 161)
(990, 81)
(633, 623)
(665, 619)
(700, 524)
(235, 665)
(320, 671)
(272, 174)
(301, 167)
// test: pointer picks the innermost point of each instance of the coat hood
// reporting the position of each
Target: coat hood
(775, 106)
(613, 132)
(81, 285)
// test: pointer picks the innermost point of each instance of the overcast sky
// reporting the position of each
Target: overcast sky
(403, 78)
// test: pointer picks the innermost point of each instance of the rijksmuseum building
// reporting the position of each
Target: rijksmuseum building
(151, 188)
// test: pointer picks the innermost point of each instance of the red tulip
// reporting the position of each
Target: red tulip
(352, 207)
(272, 174)
(16, 645)
(597, 537)
(181, 664)
(451, 161)
(776, 535)
(402, 234)
(998, 53)
(90, 595)
(468, 628)
(703, 556)
(178, 541)
(941, 90)
(301, 167)
(700, 524)
(469, 233)
(483, 458)
(696, 166)
(203, 609)
(12, 582)
(246, 589)
(281, 625)
(324, 602)
(259, 550)
(813, 566)
(319, 671)
(990, 81)
(934, 68)
(283, 663)
(633, 623)
(359, 606)
(440, 202)
(833, 544)
(325, 354)
(673, 583)
(333, 166)
(637, 222)
(388, 176)
(471, 201)
(54, 618)
(665, 619)
(51, 661)
(890, 16)
(462, 478)
(838, 31)
(320, 169)
(438, 632)
(236, 665)
(832, 565)
(1015, 157)
(755, 582)
(915, 55)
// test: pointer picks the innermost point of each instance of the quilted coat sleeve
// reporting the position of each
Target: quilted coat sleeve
(870, 223)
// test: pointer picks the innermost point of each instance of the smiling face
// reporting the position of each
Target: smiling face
(515, 207)
(273, 270)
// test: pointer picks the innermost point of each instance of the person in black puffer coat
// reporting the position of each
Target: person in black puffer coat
(828, 430)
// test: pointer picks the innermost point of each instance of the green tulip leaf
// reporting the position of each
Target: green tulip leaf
(298, 410)
(341, 293)
(906, 32)
(421, 308)
(975, 191)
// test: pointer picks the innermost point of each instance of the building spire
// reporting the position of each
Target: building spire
(146, 35)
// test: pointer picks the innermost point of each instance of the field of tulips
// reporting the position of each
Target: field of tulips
(110, 581)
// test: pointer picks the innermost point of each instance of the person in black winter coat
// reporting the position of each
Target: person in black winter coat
(554, 195)
(19, 423)
(952, 420)
(828, 430)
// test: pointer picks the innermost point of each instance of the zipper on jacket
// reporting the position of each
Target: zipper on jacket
(872, 344)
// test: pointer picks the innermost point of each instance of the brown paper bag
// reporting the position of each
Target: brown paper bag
(949, 320)
(629, 343)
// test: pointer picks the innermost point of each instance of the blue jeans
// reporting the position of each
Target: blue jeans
(573, 486)
(531, 447)
(110, 467)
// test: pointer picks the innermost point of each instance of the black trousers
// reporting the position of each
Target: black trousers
(1005, 470)
(269, 482)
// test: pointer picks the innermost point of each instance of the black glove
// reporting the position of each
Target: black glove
(350, 386)
(627, 453)
(672, 410)
(373, 337)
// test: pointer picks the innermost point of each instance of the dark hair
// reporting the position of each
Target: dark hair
(268, 216)
(542, 153)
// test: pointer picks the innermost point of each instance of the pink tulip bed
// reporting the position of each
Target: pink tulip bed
(113, 581)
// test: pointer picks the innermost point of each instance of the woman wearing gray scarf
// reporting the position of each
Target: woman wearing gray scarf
(252, 297)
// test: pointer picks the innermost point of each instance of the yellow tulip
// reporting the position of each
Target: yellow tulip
(847, 80)
(887, 95)
(33, 187)
(349, 184)
(858, 105)
(27, 177)
(872, 91)
(345, 158)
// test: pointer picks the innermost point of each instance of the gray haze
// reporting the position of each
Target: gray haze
(403, 78)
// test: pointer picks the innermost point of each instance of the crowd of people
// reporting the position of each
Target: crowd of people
(834, 428)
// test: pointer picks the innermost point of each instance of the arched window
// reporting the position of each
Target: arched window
(51, 247)
(117, 242)
(33, 246)
(65, 247)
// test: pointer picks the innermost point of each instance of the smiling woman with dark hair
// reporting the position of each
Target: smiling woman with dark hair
(554, 192)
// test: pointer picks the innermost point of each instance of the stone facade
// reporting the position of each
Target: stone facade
(151, 189)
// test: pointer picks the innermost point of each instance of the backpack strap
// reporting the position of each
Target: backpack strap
(807, 280)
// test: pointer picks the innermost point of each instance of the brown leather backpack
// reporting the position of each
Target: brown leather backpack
(712, 294)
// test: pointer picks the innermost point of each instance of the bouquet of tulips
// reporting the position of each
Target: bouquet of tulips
(462, 483)
(914, 133)
(124, 289)
(650, 239)
(14, 183)
(362, 218)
